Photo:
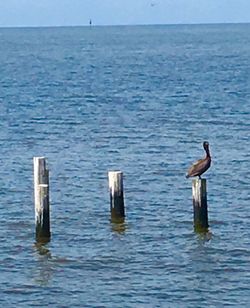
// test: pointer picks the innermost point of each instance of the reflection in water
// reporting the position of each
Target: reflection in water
(118, 225)
(44, 265)
(204, 233)
(42, 250)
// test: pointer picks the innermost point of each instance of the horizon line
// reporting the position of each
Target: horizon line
(122, 25)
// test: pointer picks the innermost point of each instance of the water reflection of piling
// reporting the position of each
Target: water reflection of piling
(119, 228)
(41, 196)
(42, 249)
(45, 268)
(116, 196)
(199, 192)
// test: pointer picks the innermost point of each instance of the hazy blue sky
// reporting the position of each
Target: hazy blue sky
(78, 12)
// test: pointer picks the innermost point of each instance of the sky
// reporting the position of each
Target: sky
(121, 12)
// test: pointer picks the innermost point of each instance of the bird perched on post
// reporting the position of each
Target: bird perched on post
(201, 165)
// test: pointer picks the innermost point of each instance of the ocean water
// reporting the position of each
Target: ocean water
(140, 100)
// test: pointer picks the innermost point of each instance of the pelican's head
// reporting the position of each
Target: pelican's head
(205, 145)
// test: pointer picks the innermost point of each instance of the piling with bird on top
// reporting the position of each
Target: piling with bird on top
(199, 190)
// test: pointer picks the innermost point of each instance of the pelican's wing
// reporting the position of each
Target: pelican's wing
(195, 168)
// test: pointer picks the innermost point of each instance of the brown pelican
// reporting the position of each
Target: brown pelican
(201, 165)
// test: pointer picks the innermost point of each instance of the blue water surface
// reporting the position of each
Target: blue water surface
(141, 100)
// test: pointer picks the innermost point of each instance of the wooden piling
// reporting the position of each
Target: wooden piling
(116, 196)
(41, 196)
(199, 192)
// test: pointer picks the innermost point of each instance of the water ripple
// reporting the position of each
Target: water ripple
(139, 99)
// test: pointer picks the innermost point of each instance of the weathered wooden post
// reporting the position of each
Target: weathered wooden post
(116, 196)
(41, 196)
(199, 192)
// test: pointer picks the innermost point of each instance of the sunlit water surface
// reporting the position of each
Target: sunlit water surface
(141, 100)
